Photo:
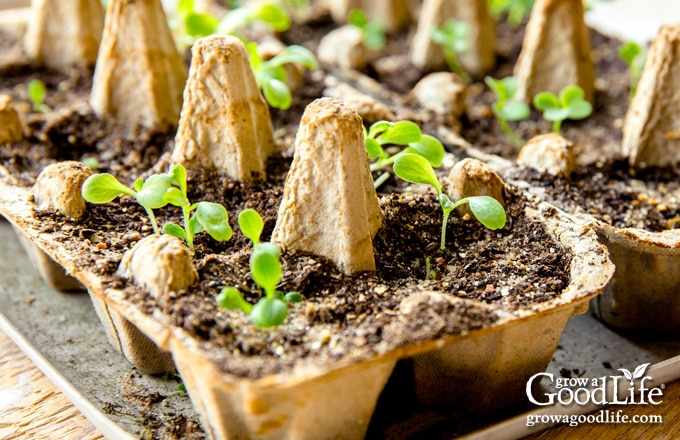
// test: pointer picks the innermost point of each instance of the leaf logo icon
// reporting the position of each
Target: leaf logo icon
(640, 371)
(636, 374)
(627, 374)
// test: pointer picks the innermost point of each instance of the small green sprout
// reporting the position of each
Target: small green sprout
(373, 33)
(91, 162)
(453, 36)
(103, 188)
(403, 133)
(265, 266)
(193, 24)
(416, 169)
(506, 108)
(251, 224)
(633, 55)
(269, 14)
(36, 92)
(569, 105)
(516, 10)
(157, 191)
(271, 74)
(207, 216)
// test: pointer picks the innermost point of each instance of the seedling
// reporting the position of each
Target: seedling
(373, 33)
(103, 188)
(196, 24)
(516, 10)
(506, 108)
(207, 216)
(569, 105)
(193, 24)
(271, 74)
(416, 169)
(265, 266)
(453, 37)
(633, 55)
(402, 133)
(91, 162)
(269, 14)
(157, 191)
(36, 92)
(251, 224)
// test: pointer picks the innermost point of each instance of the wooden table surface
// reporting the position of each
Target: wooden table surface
(31, 407)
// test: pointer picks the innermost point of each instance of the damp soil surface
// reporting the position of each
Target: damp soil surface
(515, 268)
(614, 192)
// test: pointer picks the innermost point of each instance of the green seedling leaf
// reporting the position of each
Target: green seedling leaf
(269, 248)
(175, 230)
(430, 148)
(546, 100)
(374, 36)
(446, 203)
(255, 58)
(102, 188)
(416, 169)
(91, 162)
(555, 114)
(506, 108)
(269, 312)
(251, 224)
(271, 75)
(377, 128)
(214, 218)
(513, 111)
(266, 270)
(516, 10)
(179, 177)
(400, 133)
(572, 99)
(272, 15)
(37, 92)
(453, 38)
(231, 299)
(277, 94)
(373, 33)
(234, 20)
(571, 94)
(195, 226)
(374, 149)
(629, 51)
(488, 211)
(452, 35)
(151, 196)
(293, 297)
(357, 17)
(579, 110)
(184, 7)
(569, 105)
(200, 24)
(297, 55)
(175, 197)
(138, 184)
(503, 88)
